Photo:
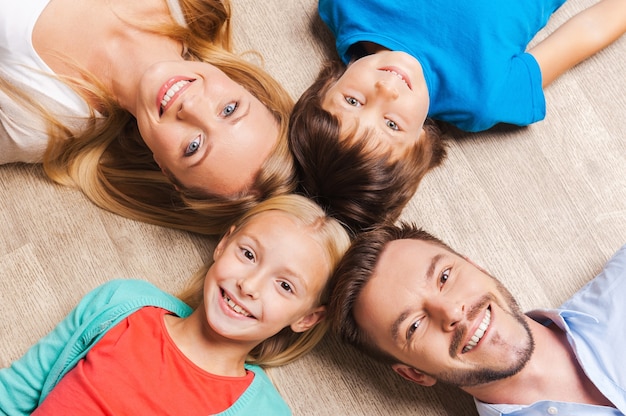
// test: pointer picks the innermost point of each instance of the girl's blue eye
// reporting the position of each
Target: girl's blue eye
(229, 109)
(392, 125)
(193, 147)
(352, 101)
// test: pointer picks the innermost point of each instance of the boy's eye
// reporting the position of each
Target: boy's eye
(229, 109)
(392, 125)
(352, 101)
(193, 146)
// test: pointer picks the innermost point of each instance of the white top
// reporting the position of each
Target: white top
(23, 134)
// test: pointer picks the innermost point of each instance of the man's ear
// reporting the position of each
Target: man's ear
(310, 320)
(414, 375)
(219, 249)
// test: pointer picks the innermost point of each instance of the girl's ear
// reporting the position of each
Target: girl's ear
(219, 249)
(414, 375)
(310, 320)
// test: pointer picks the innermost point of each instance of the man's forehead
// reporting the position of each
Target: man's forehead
(407, 249)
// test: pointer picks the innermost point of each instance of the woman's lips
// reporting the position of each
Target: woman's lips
(170, 91)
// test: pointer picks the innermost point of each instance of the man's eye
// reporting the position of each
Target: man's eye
(353, 101)
(230, 109)
(192, 147)
(413, 328)
(392, 125)
(445, 275)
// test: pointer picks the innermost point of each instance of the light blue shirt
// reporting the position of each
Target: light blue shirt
(595, 322)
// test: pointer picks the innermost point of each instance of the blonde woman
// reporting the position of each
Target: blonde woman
(142, 106)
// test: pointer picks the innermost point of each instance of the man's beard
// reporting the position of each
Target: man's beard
(522, 353)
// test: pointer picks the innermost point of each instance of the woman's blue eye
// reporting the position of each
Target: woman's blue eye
(193, 147)
(392, 125)
(229, 109)
(353, 101)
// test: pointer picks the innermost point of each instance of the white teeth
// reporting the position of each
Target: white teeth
(235, 307)
(480, 331)
(397, 75)
(172, 91)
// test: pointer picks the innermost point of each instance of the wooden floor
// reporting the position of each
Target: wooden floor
(542, 208)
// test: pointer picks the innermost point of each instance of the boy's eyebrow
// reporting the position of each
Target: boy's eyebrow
(405, 313)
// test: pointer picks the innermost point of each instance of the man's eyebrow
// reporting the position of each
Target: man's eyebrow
(405, 313)
(433, 265)
(396, 325)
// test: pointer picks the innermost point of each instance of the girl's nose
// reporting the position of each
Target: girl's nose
(249, 286)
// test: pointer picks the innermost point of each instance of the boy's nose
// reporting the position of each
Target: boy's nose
(387, 90)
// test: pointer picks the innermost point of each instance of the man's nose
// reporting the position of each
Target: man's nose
(448, 312)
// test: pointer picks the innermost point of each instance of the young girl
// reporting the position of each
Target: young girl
(130, 348)
(142, 107)
(462, 62)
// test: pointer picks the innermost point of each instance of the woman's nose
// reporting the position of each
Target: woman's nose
(191, 109)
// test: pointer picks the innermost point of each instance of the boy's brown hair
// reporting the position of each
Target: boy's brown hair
(352, 181)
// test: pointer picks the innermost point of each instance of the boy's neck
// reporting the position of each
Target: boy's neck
(361, 49)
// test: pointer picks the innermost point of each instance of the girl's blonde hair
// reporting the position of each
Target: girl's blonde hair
(111, 164)
(287, 345)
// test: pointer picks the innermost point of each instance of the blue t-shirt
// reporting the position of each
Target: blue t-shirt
(472, 52)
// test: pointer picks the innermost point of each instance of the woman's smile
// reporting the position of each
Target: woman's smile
(170, 91)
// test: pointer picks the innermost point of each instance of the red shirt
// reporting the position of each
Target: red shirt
(137, 369)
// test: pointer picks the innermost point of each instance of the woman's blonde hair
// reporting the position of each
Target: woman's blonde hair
(287, 345)
(111, 164)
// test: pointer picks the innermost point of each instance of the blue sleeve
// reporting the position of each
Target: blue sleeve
(23, 383)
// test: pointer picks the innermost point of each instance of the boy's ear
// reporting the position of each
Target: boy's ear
(219, 249)
(414, 375)
(310, 320)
